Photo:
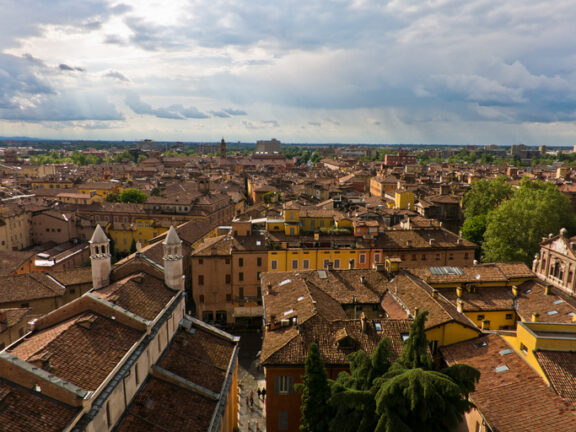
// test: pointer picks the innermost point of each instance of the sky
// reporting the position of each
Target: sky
(472, 72)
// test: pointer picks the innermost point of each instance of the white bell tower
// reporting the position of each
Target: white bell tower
(101, 259)
(173, 261)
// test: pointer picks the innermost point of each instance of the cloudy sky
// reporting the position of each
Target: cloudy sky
(350, 71)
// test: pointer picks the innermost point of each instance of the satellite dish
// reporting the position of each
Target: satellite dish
(477, 277)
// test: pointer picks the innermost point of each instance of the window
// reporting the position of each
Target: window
(241, 276)
(480, 317)
(377, 258)
(294, 264)
(274, 265)
(240, 262)
(241, 292)
(227, 278)
(450, 256)
(305, 264)
(200, 279)
(336, 263)
(227, 260)
(292, 232)
(509, 316)
(523, 348)
(200, 261)
(414, 257)
(437, 257)
(207, 316)
(466, 255)
(259, 261)
(362, 258)
(423, 257)
(282, 420)
(228, 297)
(258, 275)
(284, 384)
(201, 298)
(326, 263)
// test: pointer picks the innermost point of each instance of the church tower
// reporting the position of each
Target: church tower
(223, 149)
(173, 261)
(100, 257)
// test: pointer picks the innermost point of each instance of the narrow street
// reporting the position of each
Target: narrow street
(251, 417)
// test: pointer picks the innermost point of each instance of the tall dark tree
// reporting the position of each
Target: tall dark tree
(315, 393)
(411, 397)
(353, 394)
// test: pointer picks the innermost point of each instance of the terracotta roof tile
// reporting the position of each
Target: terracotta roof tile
(141, 294)
(322, 331)
(209, 354)
(161, 406)
(83, 349)
(515, 400)
(560, 369)
(555, 307)
(24, 410)
(29, 286)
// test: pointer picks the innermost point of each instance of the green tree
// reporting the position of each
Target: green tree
(411, 397)
(315, 393)
(486, 195)
(514, 230)
(315, 158)
(132, 195)
(353, 394)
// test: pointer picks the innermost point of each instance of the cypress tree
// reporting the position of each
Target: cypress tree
(315, 394)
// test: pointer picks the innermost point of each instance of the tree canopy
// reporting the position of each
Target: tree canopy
(406, 395)
(486, 195)
(132, 195)
(315, 393)
(515, 229)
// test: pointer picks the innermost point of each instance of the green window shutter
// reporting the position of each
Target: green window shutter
(277, 384)
(290, 385)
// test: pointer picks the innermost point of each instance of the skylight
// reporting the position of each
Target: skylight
(284, 282)
(502, 368)
(288, 312)
(378, 326)
(300, 298)
(322, 274)
(559, 301)
(481, 344)
(505, 352)
(446, 270)
(552, 312)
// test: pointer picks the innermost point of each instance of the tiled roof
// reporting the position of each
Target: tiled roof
(491, 272)
(13, 317)
(560, 369)
(322, 331)
(82, 350)
(11, 261)
(201, 358)
(29, 286)
(75, 276)
(482, 299)
(412, 293)
(24, 410)
(140, 293)
(420, 238)
(555, 307)
(516, 399)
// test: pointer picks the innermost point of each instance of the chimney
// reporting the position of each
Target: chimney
(362, 280)
(460, 305)
(431, 242)
(535, 316)
(485, 324)
(363, 322)
(416, 310)
(459, 292)
(434, 293)
(548, 290)
(269, 288)
(515, 291)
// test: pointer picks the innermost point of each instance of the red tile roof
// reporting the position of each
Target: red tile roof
(82, 350)
(514, 400)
